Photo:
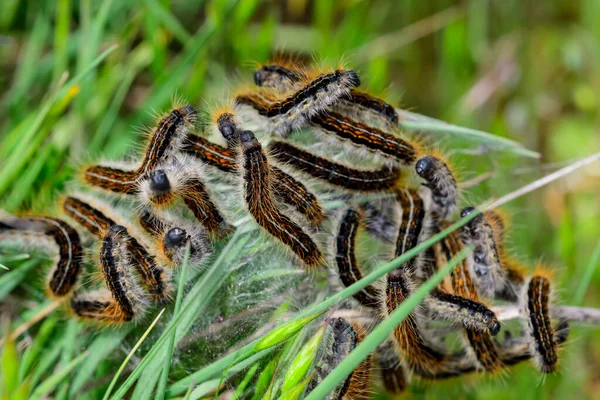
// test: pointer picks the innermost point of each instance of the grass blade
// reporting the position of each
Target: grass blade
(587, 277)
(417, 122)
(49, 384)
(160, 392)
(124, 363)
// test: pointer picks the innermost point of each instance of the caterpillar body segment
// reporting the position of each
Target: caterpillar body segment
(333, 173)
(367, 107)
(345, 258)
(287, 113)
(443, 187)
(58, 234)
(258, 194)
(89, 215)
(543, 346)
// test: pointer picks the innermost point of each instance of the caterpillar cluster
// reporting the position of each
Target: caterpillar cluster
(281, 184)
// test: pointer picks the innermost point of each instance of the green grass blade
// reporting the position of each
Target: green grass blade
(10, 280)
(416, 122)
(18, 159)
(383, 331)
(52, 382)
(168, 20)
(131, 353)
(99, 349)
(160, 392)
(245, 382)
(587, 277)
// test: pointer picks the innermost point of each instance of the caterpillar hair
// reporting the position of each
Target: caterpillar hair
(287, 189)
(258, 194)
(484, 348)
(63, 275)
(294, 111)
(442, 184)
(380, 218)
(116, 271)
(512, 270)
(281, 77)
(294, 193)
(124, 300)
(388, 146)
(277, 76)
(392, 372)
(458, 309)
(489, 275)
(174, 236)
(98, 224)
(346, 336)
(166, 138)
(345, 258)
(539, 326)
(333, 173)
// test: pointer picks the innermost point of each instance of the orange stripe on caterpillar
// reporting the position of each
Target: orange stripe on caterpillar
(372, 139)
(333, 173)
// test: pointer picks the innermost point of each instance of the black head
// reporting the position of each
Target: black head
(227, 127)
(258, 77)
(353, 78)
(175, 237)
(495, 328)
(159, 181)
(466, 211)
(425, 167)
(248, 139)
(189, 111)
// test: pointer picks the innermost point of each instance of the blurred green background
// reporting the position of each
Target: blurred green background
(526, 70)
